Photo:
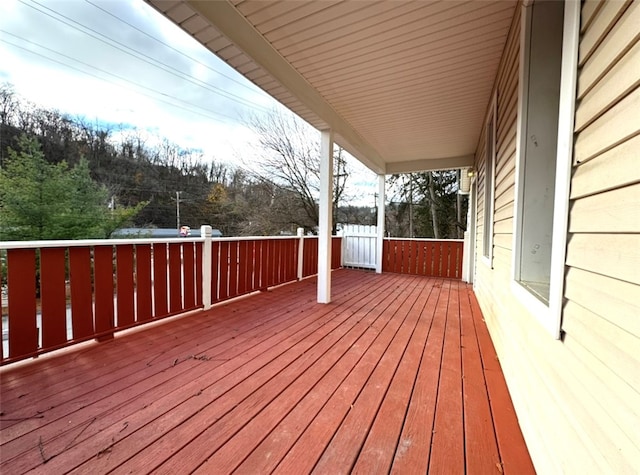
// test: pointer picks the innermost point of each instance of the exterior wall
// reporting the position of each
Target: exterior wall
(577, 399)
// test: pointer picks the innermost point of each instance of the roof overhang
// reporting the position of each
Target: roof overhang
(404, 85)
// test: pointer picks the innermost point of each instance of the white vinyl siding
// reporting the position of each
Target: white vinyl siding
(577, 399)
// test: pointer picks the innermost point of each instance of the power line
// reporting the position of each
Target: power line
(167, 45)
(139, 55)
(4, 40)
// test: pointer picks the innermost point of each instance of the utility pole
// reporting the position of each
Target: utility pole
(411, 206)
(178, 200)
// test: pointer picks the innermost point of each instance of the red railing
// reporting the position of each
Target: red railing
(423, 257)
(90, 289)
(310, 252)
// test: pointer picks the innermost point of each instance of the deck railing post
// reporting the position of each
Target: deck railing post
(300, 253)
(381, 220)
(205, 234)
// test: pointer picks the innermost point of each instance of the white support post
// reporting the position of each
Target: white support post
(205, 233)
(380, 228)
(325, 216)
(300, 252)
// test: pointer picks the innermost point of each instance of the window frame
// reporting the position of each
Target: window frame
(550, 316)
(490, 191)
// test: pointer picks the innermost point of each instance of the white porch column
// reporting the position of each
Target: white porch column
(205, 234)
(380, 227)
(325, 216)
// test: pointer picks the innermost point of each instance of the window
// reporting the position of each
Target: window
(489, 184)
(545, 131)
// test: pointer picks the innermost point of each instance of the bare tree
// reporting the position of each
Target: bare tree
(290, 159)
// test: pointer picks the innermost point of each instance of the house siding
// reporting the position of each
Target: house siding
(578, 400)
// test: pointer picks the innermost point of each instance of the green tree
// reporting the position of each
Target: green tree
(39, 200)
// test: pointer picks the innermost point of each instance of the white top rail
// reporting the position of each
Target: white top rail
(422, 239)
(116, 242)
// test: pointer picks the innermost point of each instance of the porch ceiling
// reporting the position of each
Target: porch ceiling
(404, 85)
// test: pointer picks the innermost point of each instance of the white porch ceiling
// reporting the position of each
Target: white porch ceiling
(404, 84)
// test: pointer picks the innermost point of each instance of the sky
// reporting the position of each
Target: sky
(120, 62)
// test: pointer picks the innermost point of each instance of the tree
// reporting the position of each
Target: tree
(39, 200)
(291, 160)
(427, 204)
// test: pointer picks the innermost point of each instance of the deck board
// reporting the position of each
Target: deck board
(396, 375)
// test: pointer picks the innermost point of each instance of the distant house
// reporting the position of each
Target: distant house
(159, 233)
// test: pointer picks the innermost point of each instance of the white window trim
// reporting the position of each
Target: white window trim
(491, 117)
(549, 316)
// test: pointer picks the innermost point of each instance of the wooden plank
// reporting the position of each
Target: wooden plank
(447, 450)
(223, 290)
(198, 273)
(429, 258)
(53, 296)
(80, 280)
(233, 268)
(316, 362)
(215, 272)
(336, 252)
(350, 437)
(406, 255)
(160, 303)
(124, 285)
(481, 449)
(175, 278)
(414, 445)
(514, 455)
(103, 279)
(264, 265)
(188, 275)
(217, 399)
(144, 299)
(21, 280)
(377, 453)
(258, 384)
(230, 348)
(459, 256)
(310, 447)
(274, 447)
(243, 267)
(119, 370)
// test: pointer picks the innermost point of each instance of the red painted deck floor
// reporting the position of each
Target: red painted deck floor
(398, 375)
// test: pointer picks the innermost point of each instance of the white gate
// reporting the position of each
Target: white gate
(359, 246)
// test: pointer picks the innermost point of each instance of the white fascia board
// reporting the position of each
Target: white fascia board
(430, 164)
(231, 23)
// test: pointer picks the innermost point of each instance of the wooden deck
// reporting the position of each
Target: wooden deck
(397, 375)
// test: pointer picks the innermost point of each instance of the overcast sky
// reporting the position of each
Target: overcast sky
(121, 62)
